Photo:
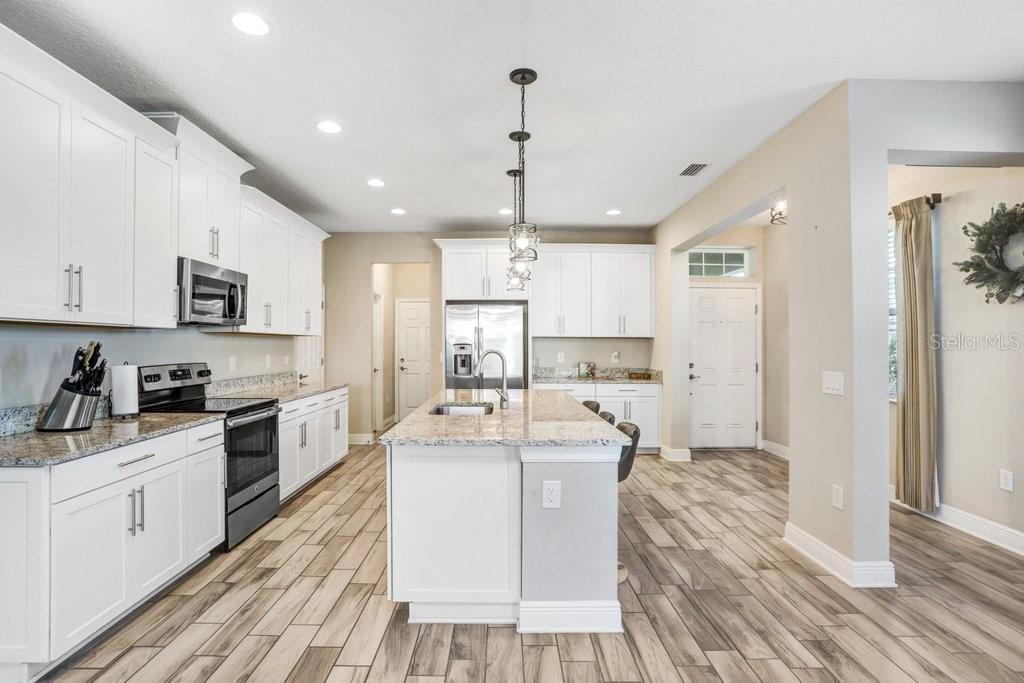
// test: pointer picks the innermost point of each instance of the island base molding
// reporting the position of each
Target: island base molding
(547, 616)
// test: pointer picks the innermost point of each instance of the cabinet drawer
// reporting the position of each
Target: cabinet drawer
(70, 479)
(205, 436)
(627, 390)
(580, 391)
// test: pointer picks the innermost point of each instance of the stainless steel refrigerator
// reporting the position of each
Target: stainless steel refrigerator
(471, 329)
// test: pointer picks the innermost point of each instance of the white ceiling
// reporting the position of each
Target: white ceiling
(629, 92)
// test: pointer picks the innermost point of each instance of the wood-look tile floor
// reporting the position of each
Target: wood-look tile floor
(713, 593)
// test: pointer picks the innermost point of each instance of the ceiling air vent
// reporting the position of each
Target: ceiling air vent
(693, 169)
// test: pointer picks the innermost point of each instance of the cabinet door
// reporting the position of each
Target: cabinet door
(637, 299)
(314, 280)
(341, 429)
(574, 282)
(615, 405)
(465, 274)
(224, 197)
(34, 142)
(195, 233)
(90, 564)
(296, 283)
(288, 456)
(156, 243)
(497, 278)
(160, 543)
(275, 273)
(325, 439)
(102, 249)
(251, 262)
(308, 448)
(545, 296)
(645, 413)
(205, 502)
(607, 292)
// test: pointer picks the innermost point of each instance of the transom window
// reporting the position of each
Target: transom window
(712, 262)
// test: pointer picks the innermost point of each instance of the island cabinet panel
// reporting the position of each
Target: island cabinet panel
(455, 524)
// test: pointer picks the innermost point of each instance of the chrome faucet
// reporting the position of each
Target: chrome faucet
(479, 372)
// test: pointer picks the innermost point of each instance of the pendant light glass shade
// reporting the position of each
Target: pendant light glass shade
(522, 242)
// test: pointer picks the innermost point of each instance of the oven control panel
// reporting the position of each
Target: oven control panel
(174, 375)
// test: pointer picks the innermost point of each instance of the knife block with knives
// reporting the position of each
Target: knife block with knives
(73, 407)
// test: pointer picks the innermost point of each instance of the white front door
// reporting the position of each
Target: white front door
(723, 384)
(412, 352)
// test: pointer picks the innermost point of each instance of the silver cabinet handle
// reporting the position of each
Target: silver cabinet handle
(629, 409)
(131, 527)
(209, 436)
(270, 319)
(483, 286)
(147, 456)
(224, 471)
(211, 241)
(174, 302)
(628, 389)
(142, 508)
(80, 272)
(255, 417)
(337, 419)
(71, 286)
(303, 435)
(216, 242)
(488, 285)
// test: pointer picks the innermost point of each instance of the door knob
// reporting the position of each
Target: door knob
(693, 376)
(401, 367)
(376, 369)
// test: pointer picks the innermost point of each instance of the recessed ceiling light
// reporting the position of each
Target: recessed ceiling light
(375, 182)
(398, 211)
(329, 127)
(613, 212)
(505, 212)
(249, 23)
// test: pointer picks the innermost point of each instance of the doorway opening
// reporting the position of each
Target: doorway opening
(400, 330)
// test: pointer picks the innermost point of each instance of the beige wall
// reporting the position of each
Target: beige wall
(633, 353)
(348, 257)
(980, 389)
(746, 236)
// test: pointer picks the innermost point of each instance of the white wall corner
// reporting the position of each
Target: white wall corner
(776, 449)
(676, 454)
(856, 574)
(360, 439)
(571, 616)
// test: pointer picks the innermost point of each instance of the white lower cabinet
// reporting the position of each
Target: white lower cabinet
(636, 403)
(205, 502)
(308, 440)
(313, 438)
(159, 543)
(288, 455)
(341, 429)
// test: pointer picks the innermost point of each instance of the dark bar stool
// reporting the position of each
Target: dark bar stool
(607, 417)
(625, 465)
(593, 405)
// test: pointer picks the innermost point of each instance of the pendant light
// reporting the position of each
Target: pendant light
(522, 241)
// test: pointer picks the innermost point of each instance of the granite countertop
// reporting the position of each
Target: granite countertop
(593, 380)
(292, 391)
(40, 449)
(533, 418)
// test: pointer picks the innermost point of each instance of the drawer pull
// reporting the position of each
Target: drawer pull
(628, 390)
(293, 410)
(209, 436)
(135, 460)
(314, 403)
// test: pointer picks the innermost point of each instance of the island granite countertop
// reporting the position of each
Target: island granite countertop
(533, 418)
(291, 391)
(41, 449)
(593, 380)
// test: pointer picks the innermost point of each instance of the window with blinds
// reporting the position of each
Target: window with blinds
(892, 313)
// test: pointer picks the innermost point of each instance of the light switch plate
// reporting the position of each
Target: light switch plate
(266, 361)
(615, 356)
(832, 383)
(837, 496)
(551, 494)
(1006, 480)
(561, 357)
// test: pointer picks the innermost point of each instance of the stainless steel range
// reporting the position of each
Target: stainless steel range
(250, 440)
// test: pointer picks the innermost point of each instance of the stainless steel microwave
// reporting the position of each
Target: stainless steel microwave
(210, 295)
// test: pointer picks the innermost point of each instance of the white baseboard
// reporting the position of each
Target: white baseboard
(462, 613)
(676, 454)
(776, 449)
(360, 439)
(572, 616)
(995, 533)
(856, 574)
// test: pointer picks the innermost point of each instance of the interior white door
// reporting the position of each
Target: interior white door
(723, 384)
(377, 361)
(412, 352)
(574, 283)
(637, 306)
(33, 181)
(606, 271)
(465, 274)
(102, 248)
(160, 543)
(156, 237)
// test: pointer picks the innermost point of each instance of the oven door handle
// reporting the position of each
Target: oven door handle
(255, 417)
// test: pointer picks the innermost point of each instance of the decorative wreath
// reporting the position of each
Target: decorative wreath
(997, 261)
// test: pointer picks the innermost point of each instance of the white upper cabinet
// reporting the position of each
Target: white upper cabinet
(476, 270)
(606, 307)
(210, 194)
(623, 304)
(275, 275)
(314, 266)
(250, 262)
(560, 295)
(156, 236)
(574, 280)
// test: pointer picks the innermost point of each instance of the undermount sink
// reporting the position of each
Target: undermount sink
(462, 409)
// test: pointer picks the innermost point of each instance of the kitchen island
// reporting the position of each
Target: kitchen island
(505, 515)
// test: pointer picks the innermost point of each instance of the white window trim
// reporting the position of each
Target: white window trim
(743, 251)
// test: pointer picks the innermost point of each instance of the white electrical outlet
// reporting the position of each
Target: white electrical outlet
(266, 361)
(561, 357)
(1006, 480)
(232, 362)
(837, 496)
(287, 360)
(615, 356)
(832, 383)
(551, 494)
